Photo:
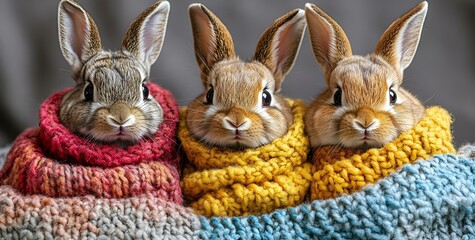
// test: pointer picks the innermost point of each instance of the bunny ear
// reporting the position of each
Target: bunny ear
(212, 40)
(144, 38)
(78, 35)
(399, 42)
(279, 44)
(329, 41)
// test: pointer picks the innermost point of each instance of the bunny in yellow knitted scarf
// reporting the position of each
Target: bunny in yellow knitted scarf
(221, 182)
(343, 171)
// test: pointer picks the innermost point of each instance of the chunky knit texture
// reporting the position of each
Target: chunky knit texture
(142, 217)
(339, 171)
(231, 183)
(433, 199)
(43, 161)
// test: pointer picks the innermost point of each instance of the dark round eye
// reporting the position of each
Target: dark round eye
(337, 97)
(210, 95)
(266, 98)
(392, 96)
(89, 92)
(145, 91)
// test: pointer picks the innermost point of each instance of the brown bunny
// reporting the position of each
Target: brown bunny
(111, 100)
(241, 105)
(365, 104)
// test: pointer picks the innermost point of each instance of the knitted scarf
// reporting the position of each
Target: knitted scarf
(52, 161)
(339, 171)
(220, 182)
(433, 199)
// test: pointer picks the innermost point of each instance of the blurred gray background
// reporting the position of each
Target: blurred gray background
(32, 67)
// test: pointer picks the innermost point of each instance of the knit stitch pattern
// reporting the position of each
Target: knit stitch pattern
(151, 167)
(222, 182)
(433, 199)
(143, 217)
(338, 171)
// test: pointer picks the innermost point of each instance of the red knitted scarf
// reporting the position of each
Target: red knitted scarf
(51, 160)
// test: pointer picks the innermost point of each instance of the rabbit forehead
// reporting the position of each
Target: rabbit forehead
(240, 83)
(116, 79)
(121, 61)
(364, 80)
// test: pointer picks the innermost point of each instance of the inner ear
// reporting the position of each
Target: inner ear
(203, 33)
(79, 30)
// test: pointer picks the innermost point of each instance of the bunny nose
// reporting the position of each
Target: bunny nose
(365, 119)
(236, 120)
(365, 126)
(235, 125)
(120, 115)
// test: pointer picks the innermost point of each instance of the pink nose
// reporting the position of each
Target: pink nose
(365, 125)
(234, 124)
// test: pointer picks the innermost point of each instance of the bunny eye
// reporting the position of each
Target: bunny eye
(89, 92)
(337, 97)
(392, 96)
(210, 95)
(266, 98)
(145, 91)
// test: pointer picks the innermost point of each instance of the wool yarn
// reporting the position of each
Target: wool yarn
(338, 171)
(52, 161)
(88, 217)
(433, 199)
(223, 182)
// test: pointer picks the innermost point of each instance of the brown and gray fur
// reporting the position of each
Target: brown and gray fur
(119, 112)
(366, 117)
(237, 116)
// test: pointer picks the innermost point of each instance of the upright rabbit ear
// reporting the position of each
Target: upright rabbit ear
(144, 38)
(399, 42)
(329, 41)
(78, 35)
(280, 43)
(212, 40)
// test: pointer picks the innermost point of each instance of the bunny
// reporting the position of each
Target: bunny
(241, 105)
(364, 105)
(111, 101)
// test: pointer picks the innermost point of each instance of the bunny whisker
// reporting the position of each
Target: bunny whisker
(335, 149)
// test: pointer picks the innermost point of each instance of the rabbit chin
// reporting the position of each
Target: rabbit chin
(363, 144)
(122, 139)
(240, 143)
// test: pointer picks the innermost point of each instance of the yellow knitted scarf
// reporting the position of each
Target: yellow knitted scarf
(220, 182)
(343, 171)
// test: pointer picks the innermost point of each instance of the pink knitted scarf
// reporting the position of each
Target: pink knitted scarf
(51, 160)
